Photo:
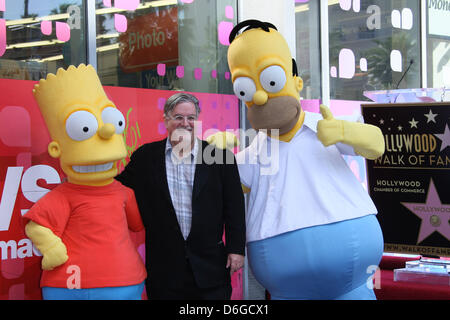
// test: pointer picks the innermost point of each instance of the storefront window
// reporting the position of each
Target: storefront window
(373, 44)
(170, 45)
(38, 37)
(438, 44)
(307, 35)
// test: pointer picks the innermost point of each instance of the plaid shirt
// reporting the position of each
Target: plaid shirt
(180, 178)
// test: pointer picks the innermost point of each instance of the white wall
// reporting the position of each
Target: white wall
(281, 13)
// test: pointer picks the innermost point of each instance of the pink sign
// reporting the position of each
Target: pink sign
(130, 5)
(2, 30)
(2, 36)
(62, 31)
(120, 22)
(46, 27)
(27, 171)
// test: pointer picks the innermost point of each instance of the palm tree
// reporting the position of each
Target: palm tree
(380, 74)
(25, 8)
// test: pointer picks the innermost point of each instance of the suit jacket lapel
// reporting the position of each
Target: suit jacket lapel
(201, 171)
(159, 163)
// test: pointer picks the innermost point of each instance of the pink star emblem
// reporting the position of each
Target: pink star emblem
(445, 137)
(435, 215)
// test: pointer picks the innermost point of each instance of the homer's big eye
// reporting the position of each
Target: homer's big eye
(81, 125)
(273, 79)
(244, 88)
(115, 117)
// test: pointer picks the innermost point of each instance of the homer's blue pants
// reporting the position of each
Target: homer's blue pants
(332, 261)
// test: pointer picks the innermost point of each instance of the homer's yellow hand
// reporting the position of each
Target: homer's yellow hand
(329, 130)
(53, 250)
(223, 140)
(367, 140)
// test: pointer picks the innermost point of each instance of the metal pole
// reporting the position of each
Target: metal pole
(324, 53)
(91, 32)
(423, 43)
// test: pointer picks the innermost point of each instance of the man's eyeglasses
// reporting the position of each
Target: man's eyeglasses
(180, 118)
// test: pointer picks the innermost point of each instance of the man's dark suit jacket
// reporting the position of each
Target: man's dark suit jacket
(217, 204)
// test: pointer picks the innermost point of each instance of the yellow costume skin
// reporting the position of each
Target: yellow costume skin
(367, 140)
(251, 53)
(223, 140)
(59, 97)
(53, 250)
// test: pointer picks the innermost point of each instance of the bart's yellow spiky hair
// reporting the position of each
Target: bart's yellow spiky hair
(76, 85)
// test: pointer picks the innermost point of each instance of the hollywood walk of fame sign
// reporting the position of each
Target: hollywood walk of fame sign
(410, 183)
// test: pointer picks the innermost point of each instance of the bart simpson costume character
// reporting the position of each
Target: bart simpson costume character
(83, 224)
(311, 227)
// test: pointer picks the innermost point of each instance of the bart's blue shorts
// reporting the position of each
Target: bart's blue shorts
(108, 293)
(333, 261)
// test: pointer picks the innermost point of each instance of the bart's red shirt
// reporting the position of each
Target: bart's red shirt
(93, 223)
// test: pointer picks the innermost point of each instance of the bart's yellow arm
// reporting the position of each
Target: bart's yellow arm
(52, 248)
(222, 140)
(367, 140)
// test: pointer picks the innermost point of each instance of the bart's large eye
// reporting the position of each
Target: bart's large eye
(244, 88)
(273, 79)
(115, 117)
(81, 125)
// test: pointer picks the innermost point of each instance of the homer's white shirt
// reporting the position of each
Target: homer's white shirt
(299, 184)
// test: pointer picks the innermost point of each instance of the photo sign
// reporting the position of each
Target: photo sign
(410, 183)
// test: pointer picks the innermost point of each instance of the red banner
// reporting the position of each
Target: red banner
(27, 172)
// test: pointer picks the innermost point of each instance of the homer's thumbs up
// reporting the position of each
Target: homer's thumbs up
(367, 140)
(326, 112)
(329, 130)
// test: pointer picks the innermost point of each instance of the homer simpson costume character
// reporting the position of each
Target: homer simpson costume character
(311, 227)
(83, 224)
